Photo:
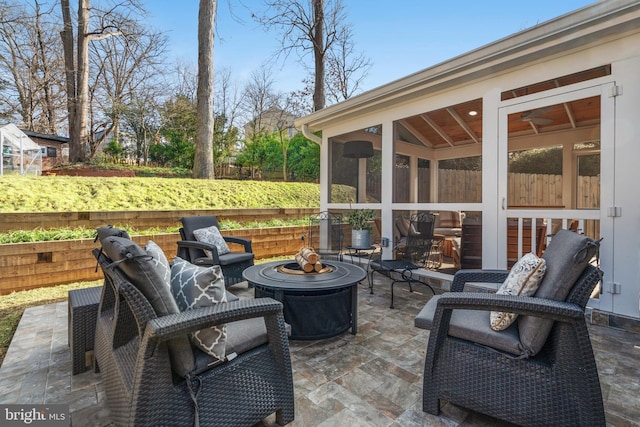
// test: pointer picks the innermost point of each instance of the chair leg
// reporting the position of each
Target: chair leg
(371, 281)
(393, 283)
(430, 405)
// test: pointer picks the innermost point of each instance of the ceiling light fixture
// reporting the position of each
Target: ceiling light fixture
(473, 113)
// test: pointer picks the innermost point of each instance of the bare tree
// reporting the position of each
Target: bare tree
(203, 162)
(141, 116)
(30, 63)
(259, 98)
(121, 67)
(186, 83)
(317, 27)
(77, 64)
(346, 69)
(228, 97)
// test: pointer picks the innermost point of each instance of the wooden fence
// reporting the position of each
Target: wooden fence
(524, 189)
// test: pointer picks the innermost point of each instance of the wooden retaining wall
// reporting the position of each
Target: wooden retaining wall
(35, 265)
(138, 219)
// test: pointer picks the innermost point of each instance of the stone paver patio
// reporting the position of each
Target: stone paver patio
(371, 379)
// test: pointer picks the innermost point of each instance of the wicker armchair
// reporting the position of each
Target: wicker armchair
(467, 364)
(232, 263)
(134, 356)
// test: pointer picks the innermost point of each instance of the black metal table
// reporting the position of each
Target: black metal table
(316, 305)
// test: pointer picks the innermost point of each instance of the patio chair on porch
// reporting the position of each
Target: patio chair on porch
(155, 373)
(325, 235)
(540, 370)
(416, 248)
(208, 250)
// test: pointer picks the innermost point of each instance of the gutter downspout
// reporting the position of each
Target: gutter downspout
(307, 134)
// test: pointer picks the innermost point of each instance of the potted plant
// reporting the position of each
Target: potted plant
(360, 227)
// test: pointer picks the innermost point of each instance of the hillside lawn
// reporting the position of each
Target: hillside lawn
(73, 194)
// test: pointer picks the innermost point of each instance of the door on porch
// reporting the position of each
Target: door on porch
(556, 171)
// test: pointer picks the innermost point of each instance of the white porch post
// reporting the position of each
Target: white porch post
(362, 180)
(388, 160)
(493, 191)
(325, 173)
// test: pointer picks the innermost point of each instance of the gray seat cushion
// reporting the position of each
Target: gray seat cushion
(227, 259)
(147, 271)
(567, 255)
(473, 325)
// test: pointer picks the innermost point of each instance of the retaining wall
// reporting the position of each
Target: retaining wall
(35, 265)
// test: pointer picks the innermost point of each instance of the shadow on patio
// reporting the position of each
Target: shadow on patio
(371, 379)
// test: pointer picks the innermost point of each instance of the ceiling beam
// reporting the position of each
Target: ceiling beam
(567, 109)
(463, 124)
(437, 128)
(534, 127)
(424, 141)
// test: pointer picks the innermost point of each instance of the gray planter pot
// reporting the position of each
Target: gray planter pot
(360, 239)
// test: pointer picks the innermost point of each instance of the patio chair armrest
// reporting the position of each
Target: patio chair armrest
(179, 324)
(192, 244)
(240, 241)
(531, 306)
(484, 276)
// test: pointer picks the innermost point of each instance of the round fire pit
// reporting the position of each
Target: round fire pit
(317, 305)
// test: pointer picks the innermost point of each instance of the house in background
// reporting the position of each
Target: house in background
(271, 120)
(54, 149)
(446, 138)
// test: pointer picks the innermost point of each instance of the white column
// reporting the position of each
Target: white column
(413, 184)
(494, 190)
(388, 158)
(325, 173)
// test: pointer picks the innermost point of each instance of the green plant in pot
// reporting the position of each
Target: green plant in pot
(360, 227)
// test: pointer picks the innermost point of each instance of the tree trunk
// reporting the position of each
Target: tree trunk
(79, 133)
(203, 162)
(318, 54)
(70, 73)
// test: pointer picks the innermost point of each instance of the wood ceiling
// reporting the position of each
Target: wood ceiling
(461, 124)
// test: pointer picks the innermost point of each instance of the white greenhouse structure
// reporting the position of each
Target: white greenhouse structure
(19, 155)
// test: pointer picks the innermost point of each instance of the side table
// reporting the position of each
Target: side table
(359, 252)
(83, 313)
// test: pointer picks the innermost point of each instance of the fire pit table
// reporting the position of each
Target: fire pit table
(317, 305)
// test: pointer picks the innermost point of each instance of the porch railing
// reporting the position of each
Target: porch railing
(548, 222)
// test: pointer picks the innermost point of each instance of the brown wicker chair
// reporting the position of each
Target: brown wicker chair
(466, 363)
(134, 356)
(232, 263)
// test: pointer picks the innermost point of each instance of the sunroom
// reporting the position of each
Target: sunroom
(522, 137)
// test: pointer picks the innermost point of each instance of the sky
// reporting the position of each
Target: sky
(400, 37)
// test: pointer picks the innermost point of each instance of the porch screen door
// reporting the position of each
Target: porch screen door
(526, 127)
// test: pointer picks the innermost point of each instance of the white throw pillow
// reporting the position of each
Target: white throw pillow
(524, 278)
(194, 286)
(212, 236)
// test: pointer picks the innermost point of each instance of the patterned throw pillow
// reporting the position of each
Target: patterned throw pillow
(193, 286)
(212, 236)
(524, 278)
(159, 260)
